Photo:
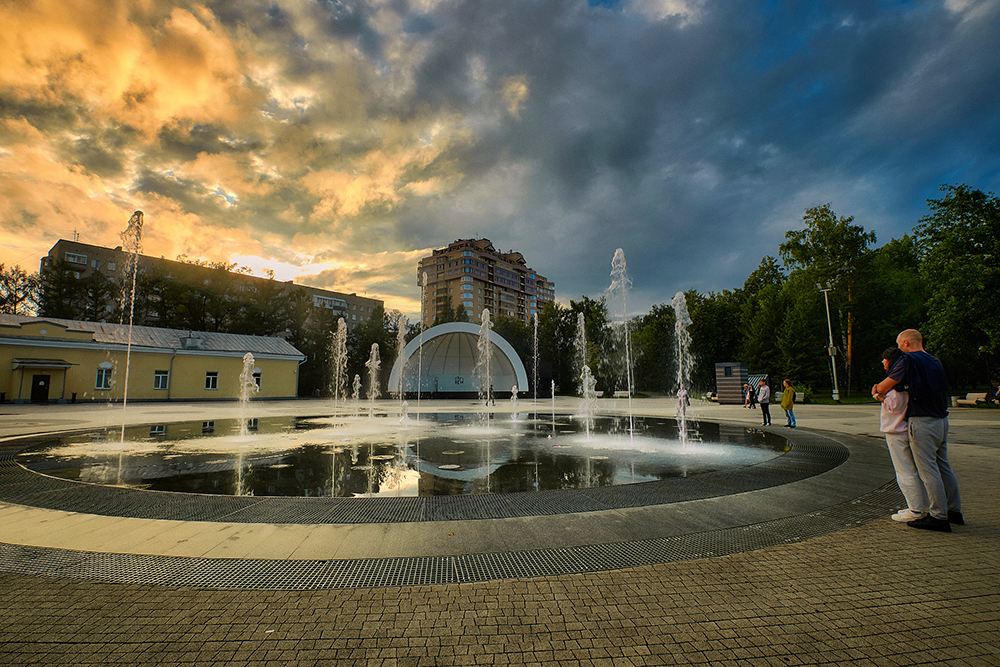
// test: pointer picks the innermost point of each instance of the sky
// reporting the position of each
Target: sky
(336, 143)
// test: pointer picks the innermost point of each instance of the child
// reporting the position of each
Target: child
(892, 422)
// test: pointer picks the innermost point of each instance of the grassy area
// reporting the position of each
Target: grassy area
(826, 399)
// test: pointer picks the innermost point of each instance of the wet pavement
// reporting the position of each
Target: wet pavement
(804, 571)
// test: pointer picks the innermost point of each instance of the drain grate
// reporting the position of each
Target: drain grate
(258, 574)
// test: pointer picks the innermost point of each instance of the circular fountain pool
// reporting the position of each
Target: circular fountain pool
(443, 454)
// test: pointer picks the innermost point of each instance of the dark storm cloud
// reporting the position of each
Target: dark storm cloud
(696, 145)
(191, 195)
(185, 143)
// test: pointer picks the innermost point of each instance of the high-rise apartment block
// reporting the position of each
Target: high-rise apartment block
(471, 273)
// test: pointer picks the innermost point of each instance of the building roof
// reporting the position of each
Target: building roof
(110, 333)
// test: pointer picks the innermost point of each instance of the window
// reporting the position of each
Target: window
(74, 258)
(727, 371)
(103, 378)
(212, 380)
(160, 379)
(157, 429)
(95, 264)
(256, 377)
(112, 266)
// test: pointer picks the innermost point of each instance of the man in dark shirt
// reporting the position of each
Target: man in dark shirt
(927, 413)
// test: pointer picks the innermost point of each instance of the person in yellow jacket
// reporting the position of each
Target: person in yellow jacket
(787, 401)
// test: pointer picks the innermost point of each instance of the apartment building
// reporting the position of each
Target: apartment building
(473, 274)
(86, 259)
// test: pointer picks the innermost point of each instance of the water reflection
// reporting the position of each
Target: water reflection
(356, 457)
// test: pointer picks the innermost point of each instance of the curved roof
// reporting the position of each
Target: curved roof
(453, 349)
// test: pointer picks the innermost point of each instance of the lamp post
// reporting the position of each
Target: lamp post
(831, 349)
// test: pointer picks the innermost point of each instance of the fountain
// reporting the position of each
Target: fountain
(684, 359)
(302, 455)
(339, 360)
(589, 398)
(580, 345)
(400, 354)
(305, 456)
(374, 365)
(131, 246)
(483, 363)
(357, 393)
(534, 370)
(248, 387)
(620, 284)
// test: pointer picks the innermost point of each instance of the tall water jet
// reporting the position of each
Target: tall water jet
(684, 359)
(620, 285)
(131, 246)
(357, 393)
(339, 360)
(248, 387)
(580, 346)
(553, 407)
(513, 403)
(589, 397)
(420, 345)
(373, 365)
(534, 370)
(483, 364)
(685, 362)
(400, 356)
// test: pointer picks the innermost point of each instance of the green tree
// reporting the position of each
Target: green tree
(19, 291)
(715, 334)
(653, 344)
(761, 314)
(959, 241)
(556, 329)
(834, 251)
(61, 294)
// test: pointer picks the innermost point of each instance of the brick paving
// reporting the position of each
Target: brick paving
(878, 594)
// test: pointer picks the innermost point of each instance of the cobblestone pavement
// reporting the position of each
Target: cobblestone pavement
(878, 594)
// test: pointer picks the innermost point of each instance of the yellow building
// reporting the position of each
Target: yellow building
(52, 360)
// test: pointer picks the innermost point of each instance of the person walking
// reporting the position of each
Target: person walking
(764, 398)
(892, 422)
(927, 415)
(787, 401)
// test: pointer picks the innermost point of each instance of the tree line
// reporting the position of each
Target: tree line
(941, 278)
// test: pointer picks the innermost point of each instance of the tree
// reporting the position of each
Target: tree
(61, 295)
(834, 251)
(19, 291)
(556, 329)
(653, 344)
(959, 241)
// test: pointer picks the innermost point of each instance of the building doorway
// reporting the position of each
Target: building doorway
(40, 388)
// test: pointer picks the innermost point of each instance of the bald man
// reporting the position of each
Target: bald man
(927, 413)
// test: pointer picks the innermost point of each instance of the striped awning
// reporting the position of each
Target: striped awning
(754, 380)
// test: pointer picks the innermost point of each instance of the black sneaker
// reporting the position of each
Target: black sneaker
(930, 523)
(955, 518)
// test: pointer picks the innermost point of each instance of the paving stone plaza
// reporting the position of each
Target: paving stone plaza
(803, 568)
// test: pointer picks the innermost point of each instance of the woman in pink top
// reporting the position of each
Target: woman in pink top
(892, 422)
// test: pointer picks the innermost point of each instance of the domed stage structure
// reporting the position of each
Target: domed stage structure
(443, 362)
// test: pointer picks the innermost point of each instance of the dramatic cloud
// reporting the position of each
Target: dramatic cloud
(338, 142)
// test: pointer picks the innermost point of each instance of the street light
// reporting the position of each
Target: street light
(830, 348)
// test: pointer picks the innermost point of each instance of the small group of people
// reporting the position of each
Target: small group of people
(914, 419)
(761, 395)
